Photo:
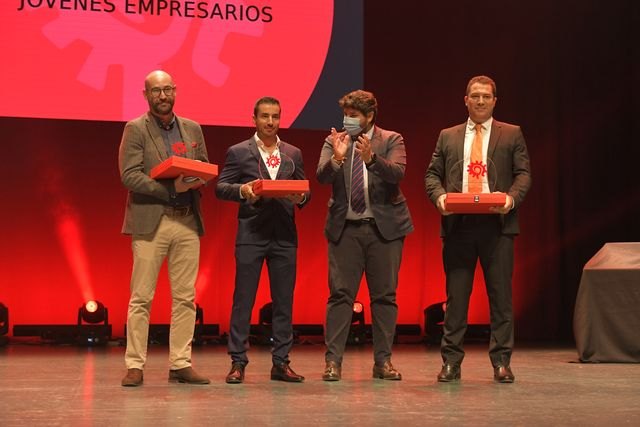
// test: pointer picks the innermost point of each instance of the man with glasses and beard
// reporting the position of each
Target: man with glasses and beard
(164, 220)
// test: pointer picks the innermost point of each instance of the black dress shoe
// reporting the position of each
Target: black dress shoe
(503, 374)
(187, 375)
(236, 374)
(386, 372)
(283, 372)
(449, 373)
(332, 372)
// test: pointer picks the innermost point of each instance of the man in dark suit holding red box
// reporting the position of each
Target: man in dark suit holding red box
(164, 220)
(501, 165)
(266, 232)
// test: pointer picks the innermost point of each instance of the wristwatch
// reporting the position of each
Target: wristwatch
(339, 162)
(372, 161)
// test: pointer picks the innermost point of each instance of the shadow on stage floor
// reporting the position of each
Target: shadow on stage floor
(66, 385)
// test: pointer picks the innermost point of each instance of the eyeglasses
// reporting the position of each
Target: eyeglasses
(168, 91)
(476, 97)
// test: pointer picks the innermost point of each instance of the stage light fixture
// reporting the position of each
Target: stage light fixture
(265, 315)
(358, 330)
(93, 324)
(93, 312)
(358, 313)
(262, 333)
(433, 320)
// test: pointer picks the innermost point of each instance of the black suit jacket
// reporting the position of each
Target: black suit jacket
(387, 202)
(507, 151)
(269, 218)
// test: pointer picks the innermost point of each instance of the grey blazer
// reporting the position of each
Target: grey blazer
(507, 151)
(387, 202)
(141, 149)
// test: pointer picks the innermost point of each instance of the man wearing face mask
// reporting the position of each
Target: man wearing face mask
(367, 221)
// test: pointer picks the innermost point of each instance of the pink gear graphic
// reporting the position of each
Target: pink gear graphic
(477, 169)
(129, 44)
(273, 161)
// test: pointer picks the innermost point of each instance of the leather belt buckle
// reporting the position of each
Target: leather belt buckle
(361, 221)
(178, 211)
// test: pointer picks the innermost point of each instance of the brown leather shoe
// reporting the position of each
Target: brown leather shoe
(236, 374)
(187, 375)
(503, 374)
(386, 372)
(332, 372)
(449, 373)
(283, 372)
(133, 378)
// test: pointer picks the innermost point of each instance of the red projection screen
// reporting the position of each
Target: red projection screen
(87, 59)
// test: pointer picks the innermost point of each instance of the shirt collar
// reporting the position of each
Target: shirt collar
(471, 125)
(260, 144)
(165, 126)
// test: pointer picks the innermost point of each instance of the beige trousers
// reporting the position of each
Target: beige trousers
(177, 240)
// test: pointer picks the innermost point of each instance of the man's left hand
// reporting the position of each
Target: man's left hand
(508, 205)
(296, 198)
(363, 145)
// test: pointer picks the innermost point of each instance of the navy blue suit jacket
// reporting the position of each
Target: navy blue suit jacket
(268, 219)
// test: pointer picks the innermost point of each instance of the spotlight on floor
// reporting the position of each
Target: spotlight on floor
(93, 312)
(93, 324)
(358, 333)
(4, 324)
(262, 333)
(433, 320)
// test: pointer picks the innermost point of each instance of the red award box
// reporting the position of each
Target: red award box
(280, 187)
(469, 203)
(175, 165)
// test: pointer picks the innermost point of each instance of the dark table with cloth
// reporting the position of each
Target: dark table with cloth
(606, 321)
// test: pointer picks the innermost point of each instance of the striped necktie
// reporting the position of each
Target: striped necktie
(357, 184)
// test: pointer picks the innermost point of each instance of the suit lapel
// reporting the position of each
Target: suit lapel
(154, 132)
(496, 131)
(253, 149)
(459, 144)
(186, 138)
(283, 163)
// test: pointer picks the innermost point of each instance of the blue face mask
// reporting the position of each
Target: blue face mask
(351, 125)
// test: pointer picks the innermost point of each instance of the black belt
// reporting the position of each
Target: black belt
(478, 218)
(178, 211)
(361, 221)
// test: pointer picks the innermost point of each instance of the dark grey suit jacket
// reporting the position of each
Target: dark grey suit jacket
(387, 202)
(268, 219)
(507, 151)
(141, 149)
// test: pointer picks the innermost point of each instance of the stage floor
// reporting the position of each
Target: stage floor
(71, 386)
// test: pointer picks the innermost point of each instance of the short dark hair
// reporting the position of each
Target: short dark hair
(362, 101)
(482, 80)
(265, 100)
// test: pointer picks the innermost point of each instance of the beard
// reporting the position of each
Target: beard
(162, 108)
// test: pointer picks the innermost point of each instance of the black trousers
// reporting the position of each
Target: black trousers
(281, 265)
(361, 249)
(478, 237)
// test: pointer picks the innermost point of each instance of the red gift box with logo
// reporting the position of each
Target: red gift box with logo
(175, 166)
(280, 187)
(469, 203)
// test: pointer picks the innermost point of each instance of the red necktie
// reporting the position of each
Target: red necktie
(476, 168)
(357, 184)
